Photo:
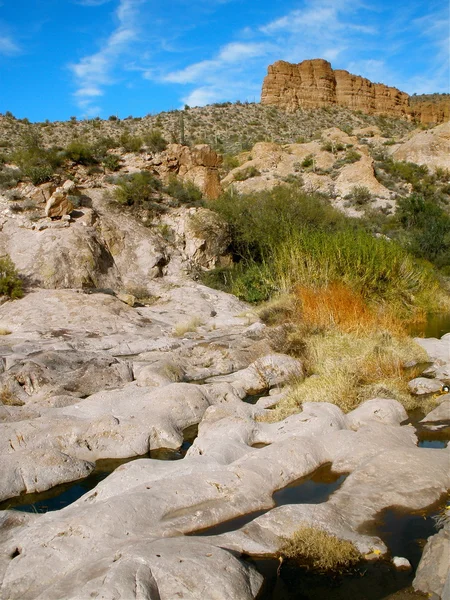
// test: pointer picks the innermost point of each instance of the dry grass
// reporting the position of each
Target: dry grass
(188, 327)
(7, 398)
(320, 550)
(337, 306)
(347, 368)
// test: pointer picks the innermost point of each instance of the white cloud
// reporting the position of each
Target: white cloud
(7, 46)
(96, 70)
(92, 2)
(324, 28)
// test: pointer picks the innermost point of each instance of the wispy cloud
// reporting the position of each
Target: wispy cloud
(224, 76)
(324, 28)
(92, 2)
(94, 72)
(7, 46)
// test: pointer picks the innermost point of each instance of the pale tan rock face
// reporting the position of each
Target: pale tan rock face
(198, 164)
(313, 83)
(360, 173)
(430, 148)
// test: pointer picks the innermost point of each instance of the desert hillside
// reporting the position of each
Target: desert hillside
(207, 369)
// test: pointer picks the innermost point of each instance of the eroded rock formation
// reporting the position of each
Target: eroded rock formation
(198, 164)
(314, 83)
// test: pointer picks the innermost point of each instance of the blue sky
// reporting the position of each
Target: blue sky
(90, 58)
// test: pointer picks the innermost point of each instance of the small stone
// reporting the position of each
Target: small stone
(127, 298)
(423, 385)
(401, 563)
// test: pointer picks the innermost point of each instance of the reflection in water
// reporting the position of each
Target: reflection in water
(435, 326)
(62, 495)
(312, 489)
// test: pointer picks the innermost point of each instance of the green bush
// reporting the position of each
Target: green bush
(81, 153)
(284, 237)
(9, 177)
(185, 192)
(308, 161)
(112, 162)
(131, 143)
(155, 141)
(426, 229)
(38, 174)
(246, 173)
(10, 282)
(136, 189)
(359, 195)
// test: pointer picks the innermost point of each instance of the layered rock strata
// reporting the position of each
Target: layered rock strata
(314, 83)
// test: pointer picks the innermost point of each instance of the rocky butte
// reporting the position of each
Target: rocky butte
(314, 83)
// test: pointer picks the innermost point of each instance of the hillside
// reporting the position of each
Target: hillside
(228, 128)
(190, 333)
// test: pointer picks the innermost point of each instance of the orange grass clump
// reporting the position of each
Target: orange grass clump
(337, 306)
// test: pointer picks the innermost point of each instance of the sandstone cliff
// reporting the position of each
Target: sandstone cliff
(313, 83)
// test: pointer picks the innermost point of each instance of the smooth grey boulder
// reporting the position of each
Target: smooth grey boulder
(433, 572)
(157, 569)
(265, 373)
(440, 413)
(377, 409)
(50, 373)
(437, 350)
(423, 385)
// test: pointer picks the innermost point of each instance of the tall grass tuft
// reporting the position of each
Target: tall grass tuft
(378, 269)
(320, 550)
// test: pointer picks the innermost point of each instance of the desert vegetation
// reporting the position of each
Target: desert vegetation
(10, 282)
(316, 548)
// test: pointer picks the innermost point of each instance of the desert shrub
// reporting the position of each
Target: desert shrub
(308, 161)
(427, 229)
(333, 146)
(186, 192)
(359, 195)
(155, 141)
(38, 173)
(351, 156)
(130, 143)
(136, 189)
(319, 550)
(260, 222)
(112, 162)
(246, 173)
(10, 282)
(81, 153)
(9, 177)
(229, 162)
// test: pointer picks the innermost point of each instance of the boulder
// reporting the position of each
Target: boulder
(60, 204)
(424, 385)
(201, 234)
(198, 164)
(433, 572)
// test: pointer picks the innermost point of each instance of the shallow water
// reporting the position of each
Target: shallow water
(435, 326)
(404, 533)
(312, 489)
(62, 495)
